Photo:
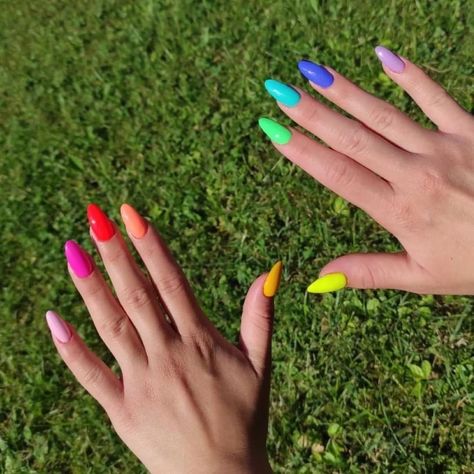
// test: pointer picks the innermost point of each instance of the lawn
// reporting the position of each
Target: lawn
(156, 104)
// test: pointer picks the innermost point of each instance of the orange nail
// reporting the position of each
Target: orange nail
(134, 222)
(272, 282)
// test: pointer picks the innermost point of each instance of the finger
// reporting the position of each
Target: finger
(337, 172)
(173, 287)
(378, 115)
(350, 138)
(257, 319)
(435, 102)
(133, 290)
(383, 270)
(111, 322)
(89, 370)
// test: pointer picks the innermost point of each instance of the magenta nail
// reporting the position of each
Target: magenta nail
(58, 327)
(389, 59)
(78, 259)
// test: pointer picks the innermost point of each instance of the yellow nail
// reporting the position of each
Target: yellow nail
(272, 282)
(327, 283)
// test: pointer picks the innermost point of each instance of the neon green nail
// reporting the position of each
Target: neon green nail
(276, 132)
(327, 283)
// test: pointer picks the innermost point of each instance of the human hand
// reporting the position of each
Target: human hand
(187, 401)
(417, 183)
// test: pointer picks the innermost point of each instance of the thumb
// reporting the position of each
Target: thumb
(257, 319)
(378, 270)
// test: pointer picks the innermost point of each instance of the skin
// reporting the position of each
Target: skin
(187, 399)
(416, 183)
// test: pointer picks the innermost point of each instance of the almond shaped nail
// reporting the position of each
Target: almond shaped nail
(134, 222)
(58, 327)
(327, 283)
(78, 259)
(272, 282)
(276, 132)
(283, 93)
(101, 225)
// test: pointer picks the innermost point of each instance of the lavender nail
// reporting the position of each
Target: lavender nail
(389, 59)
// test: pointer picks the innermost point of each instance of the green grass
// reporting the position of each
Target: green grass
(156, 103)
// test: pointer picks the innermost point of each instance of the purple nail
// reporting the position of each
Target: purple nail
(389, 59)
(78, 259)
(58, 327)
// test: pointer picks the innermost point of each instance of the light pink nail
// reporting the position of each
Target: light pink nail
(58, 327)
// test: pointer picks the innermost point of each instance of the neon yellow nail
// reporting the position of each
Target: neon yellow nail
(272, 282)
(327, 283)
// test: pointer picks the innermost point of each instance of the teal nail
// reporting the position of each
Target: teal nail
(283, 93)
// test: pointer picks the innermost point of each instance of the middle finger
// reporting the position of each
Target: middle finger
(349, 137)
(134, 291)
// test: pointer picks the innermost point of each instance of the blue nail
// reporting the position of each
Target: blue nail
(316, 73)
(283, 93)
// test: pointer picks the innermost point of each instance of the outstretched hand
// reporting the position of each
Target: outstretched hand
(187, 399)
(417, 183)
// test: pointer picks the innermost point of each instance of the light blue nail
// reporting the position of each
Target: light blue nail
(283, 93)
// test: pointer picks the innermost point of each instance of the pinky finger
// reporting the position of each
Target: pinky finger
(89, 370)
(435, 102)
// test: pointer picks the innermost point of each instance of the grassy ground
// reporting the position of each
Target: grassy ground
(156, 103)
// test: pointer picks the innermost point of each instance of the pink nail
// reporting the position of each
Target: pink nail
(58, 327)
(389, 59)
(78, 259)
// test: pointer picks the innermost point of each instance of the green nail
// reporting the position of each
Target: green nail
(276, 132)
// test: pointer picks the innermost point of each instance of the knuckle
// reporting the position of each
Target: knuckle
(438, 99)
(402, 214)
(92, 376)
(382, 117)
(355, 141)
(310, 113)
(115, 256)
(172, 283)
(92, 290)
(432, 181)
(338, 173)
(171, 368)
(136, 298)
(115, 328)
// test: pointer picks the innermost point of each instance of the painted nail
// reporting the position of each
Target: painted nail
(327, 283)
(272, 282)
(316, 73)
(78, 259)
(58, 327)
(283, 93)
(133, 221)
(101, 225)
(276, 132)
(389, 59)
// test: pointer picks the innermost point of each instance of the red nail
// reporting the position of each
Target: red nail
(101, 225)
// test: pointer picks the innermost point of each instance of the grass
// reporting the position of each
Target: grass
(156, 103)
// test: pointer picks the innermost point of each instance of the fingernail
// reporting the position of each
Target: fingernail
(133, 221)
(272, 282)
(78, 259)
(276, 132)
(316, 73)
(283, 93)
(389, 59)
(101, 225)
(58, 327)
(327, 283)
